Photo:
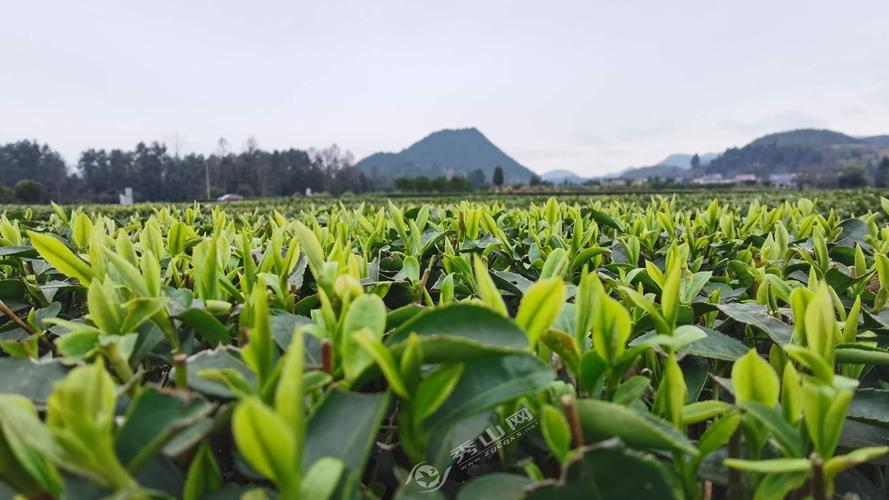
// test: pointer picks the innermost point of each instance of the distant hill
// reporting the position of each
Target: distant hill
(659, 171)
(683, 160)
(444, 153)
(674, 166)
(563, 177)
(877, 140)
(808, 151)
(805, 151)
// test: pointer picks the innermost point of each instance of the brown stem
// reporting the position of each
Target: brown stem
(26, 327)
(573, 419)
(734, 476)
(819, 487)
(11, 315)
(326, 356)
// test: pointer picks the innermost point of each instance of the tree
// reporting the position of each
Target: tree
(28, 191)
(852, 175)
(881, 178)
(497, 179)
(535, 180)
(477, 178)
(695, 161)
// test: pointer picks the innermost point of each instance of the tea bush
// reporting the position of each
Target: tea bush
(591, 347)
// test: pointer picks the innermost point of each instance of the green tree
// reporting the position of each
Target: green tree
(852, 175)
(535, 180)
(28, 191)
(477, 178)
(881, 178)
(695, 161)
(497, 179)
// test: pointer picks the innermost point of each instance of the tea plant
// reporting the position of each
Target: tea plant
(617, 347)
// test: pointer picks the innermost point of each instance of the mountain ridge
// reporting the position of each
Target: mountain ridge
(446, 152)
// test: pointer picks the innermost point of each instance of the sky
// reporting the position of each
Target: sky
(589, 86)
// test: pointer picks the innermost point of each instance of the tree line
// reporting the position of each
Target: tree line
(31, 172)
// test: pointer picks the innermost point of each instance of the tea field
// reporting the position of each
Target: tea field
(699, 345)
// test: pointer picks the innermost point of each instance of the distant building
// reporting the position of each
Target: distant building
(710, 179)
(127, 197)
(745, 178)
(784, 181)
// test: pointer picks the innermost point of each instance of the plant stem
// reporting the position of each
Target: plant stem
(180, 362)
(819, 487)
(734, 476)
(573, 420)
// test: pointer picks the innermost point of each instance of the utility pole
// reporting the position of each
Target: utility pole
(207, 176)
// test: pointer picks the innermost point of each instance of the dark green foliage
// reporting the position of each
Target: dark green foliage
(30, 191)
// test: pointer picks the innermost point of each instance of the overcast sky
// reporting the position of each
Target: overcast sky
(591, 86)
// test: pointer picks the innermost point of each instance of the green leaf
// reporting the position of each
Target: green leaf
(487, 291)
(820, 323)
(784, 433)
(459, 332)
(601, 420)
(608, 471)
(611, 329)
(716, 345)
(540, 307)
(60, 257)
(670, 293)
(717, 435)
(488, 382)
(671, 393)
(344, 426)
(140, 310)
(104, 305)
(773, 466)
(266, 442)
(701, 411)
(631, 390)
(499, 485)
(75, 346)
(30, 379)
(837, 464)
(757, 316)
(260, 351)
(219, 359)
(555, 430)
(556, 264)
(434, 390)
(811, 360)
(754, 379)
(290, 392)
(152, 420)
(204, 476)
(384, 359)
(322, 479)
(366, 312)
(411, 268)
(869, 405)
(22, 437)
(210, 329)
(562, 344)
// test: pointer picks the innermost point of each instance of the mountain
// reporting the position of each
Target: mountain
(444, 153)
(808, 151)
(672, 167)
(877, 140)
(659, 171)
(563, 177)
(812, 152)
(683, 160)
